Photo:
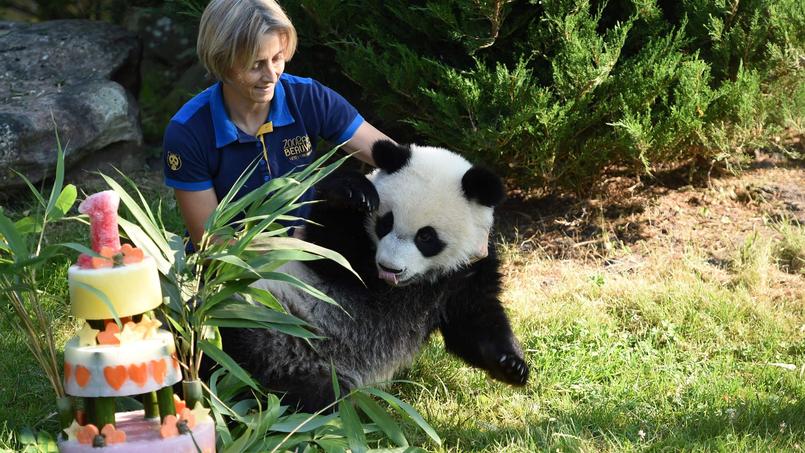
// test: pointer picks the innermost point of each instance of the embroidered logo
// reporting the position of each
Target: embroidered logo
(174, 161)
(297, 147)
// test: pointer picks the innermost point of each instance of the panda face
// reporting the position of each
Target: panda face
(427, 225)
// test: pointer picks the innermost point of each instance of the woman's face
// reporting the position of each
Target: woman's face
(256, 83)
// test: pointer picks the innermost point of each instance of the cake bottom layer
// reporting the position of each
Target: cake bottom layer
(142, 436)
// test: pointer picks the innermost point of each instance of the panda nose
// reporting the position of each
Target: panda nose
(390, 270)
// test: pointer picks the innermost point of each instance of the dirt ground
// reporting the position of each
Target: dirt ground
(630, 221)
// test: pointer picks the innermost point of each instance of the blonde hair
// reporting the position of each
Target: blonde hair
(230, 31)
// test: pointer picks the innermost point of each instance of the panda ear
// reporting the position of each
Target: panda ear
(483, 186)
(389, 156)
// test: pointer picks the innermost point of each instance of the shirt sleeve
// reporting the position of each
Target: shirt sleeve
(339, 119)
(184, 161)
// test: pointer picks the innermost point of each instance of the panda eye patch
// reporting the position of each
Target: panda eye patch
(428, 242)
(384, 224)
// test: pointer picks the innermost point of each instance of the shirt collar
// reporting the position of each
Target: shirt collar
(225, 130)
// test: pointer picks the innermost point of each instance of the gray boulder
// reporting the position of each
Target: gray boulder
(82, 75)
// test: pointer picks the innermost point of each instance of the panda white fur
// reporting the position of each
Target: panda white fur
(413, 231)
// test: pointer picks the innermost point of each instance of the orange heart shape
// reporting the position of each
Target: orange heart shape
(115, 376)
(187, 415)
(175, 362)
(86, 434)
(82, 375)
(159, 370)
(178, 404)
(169, 428)
(113, 436)
(68, 370)
(139, 374)
(108, 335)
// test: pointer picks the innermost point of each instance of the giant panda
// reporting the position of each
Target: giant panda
(416, 231)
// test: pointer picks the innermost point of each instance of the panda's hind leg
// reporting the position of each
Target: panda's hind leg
(310, 393)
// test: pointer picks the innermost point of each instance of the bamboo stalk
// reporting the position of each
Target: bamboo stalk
(66, 413)
(165, 402)
(193, 393)
(104, 411)
(150, 405)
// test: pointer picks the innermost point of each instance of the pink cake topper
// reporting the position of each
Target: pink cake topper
(101, 208)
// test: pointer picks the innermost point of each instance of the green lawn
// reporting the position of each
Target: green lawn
(671, 354)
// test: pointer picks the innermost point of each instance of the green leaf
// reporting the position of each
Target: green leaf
(64, 202)
(225, 361)
(33, 189)
(102, 296)
(28, 225)
(143, 241)
(381, 418)
(405, 409)
(352, 427)
(13, 239)
(80, 248)
(58, 180)
(144, 221)
(301, 423)
(238, 309)
(290, 279)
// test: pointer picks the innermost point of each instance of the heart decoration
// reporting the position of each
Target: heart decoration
(168, 428)
(113, 436)
(159, 369)
(82, 375)
(86, 434)
(139, 374)
(68, 370)
(115, 376)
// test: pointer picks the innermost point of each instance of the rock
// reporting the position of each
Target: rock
(83, 75)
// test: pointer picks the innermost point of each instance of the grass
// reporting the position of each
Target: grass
(672, 353)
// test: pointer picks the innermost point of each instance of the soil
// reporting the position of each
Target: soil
(631, 219)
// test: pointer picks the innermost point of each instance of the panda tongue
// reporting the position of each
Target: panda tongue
(388, 277)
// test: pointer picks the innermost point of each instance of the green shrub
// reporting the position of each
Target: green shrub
(553, 92)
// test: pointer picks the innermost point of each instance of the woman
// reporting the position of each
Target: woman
(255, 110)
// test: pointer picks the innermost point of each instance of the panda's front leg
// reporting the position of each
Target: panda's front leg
(475, 327)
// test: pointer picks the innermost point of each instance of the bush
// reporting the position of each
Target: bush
(553, 92)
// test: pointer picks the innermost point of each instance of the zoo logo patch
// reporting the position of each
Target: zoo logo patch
(297, 147)
(174, 161)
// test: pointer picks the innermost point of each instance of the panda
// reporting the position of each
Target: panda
(416, 231)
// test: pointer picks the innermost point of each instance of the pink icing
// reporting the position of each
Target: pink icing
(101, 208)
(142, 436)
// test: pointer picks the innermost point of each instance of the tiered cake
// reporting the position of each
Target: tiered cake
(127, 356)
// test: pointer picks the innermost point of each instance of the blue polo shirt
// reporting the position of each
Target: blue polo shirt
(203, 148)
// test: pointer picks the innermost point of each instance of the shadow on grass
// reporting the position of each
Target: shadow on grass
(760, 425)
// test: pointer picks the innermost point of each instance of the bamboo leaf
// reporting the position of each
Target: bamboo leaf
(237, 309)
(143, 241)
(225, 361)
(290, 279)
(64, 202)
(14, 241)
(301, 423)
(33, 189)
(352, 427)
(80, 248)
(58, 180)
(103, 297)
(153, 231)
(381, 418)
(406, 410)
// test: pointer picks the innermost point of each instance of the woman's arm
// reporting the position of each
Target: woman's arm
(196, 208)
(362, 141)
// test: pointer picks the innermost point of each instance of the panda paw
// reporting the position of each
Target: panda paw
(511, 369)
(350, 190)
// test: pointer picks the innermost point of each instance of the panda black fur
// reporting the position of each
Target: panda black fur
(411, 230)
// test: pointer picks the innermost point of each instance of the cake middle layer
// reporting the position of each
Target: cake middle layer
(121, 370)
